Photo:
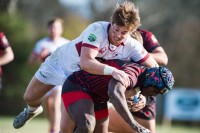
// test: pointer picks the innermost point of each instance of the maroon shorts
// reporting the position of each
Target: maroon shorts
(71, 97)
(149, 111)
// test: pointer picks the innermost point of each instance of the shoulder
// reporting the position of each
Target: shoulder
(97, 30)
(145, 32)
(100, 26)
(65, 40)
(42, 41)
(131, 42)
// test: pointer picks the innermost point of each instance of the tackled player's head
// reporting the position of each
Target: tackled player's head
(160, 78)
(126, 15)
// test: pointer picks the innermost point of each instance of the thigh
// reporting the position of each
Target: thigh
(117, 123)
(82, 110)
(36, 90)
(67, 125)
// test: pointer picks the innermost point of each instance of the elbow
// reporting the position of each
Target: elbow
(84, 65)
(11, 57)
(163, 62)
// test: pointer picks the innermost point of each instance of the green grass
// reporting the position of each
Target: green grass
(36, 125)
(178, 129)
(40, 125)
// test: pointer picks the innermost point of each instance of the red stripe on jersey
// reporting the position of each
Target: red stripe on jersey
(101, 114)
(80, 45)
(143, 59)
(71, 97)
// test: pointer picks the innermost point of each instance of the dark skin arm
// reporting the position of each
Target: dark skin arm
(116, 92)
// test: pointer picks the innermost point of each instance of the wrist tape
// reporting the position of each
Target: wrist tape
(108, 70)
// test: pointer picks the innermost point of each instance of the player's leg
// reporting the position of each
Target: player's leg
(116, 122)
(102, 125)
(52, 106)
(49, 74)
(101, 116)
(67, 125)
(35, 92)
(80, 108)
(33, 97)
(82, 112)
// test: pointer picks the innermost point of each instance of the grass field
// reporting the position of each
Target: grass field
(40, 125)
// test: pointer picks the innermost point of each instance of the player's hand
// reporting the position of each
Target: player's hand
(134, 107)
(44, 54)
(121, 76)
(143, 130)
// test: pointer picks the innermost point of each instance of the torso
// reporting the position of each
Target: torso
(97, 85)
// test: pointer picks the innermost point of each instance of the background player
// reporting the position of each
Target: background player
(6, 54)
(43, 48)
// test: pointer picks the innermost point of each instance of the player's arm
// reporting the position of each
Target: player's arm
(91, 65)
(160, 56)
(150, 62)
(116, 93)
(7, 56)
(141, 56)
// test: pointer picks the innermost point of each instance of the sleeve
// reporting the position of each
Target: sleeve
(38, 48)
(138, 54)
(150, 42)
(133, 72)
(93, 35)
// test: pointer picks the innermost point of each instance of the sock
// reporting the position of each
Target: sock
(31, 108)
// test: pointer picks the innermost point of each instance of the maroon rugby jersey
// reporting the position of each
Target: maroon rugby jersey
(149, 40)
(3, 45)
(97, 85)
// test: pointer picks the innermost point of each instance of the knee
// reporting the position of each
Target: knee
(87, 126)
(31, 99)
(27, 97)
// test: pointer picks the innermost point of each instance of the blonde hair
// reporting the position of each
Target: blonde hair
(127, 15)
(137, 36)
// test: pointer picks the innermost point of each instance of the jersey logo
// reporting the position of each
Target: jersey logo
(42, 74)
(92, 38)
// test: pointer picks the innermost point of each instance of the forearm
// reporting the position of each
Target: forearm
(93, 66)
(160, 58)
(118, 99)
(150, 62)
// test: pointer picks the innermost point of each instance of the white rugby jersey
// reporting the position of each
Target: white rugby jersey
(95, 36)
(48, 44)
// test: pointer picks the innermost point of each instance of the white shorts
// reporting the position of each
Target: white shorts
(51, 71)
(59, 65)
